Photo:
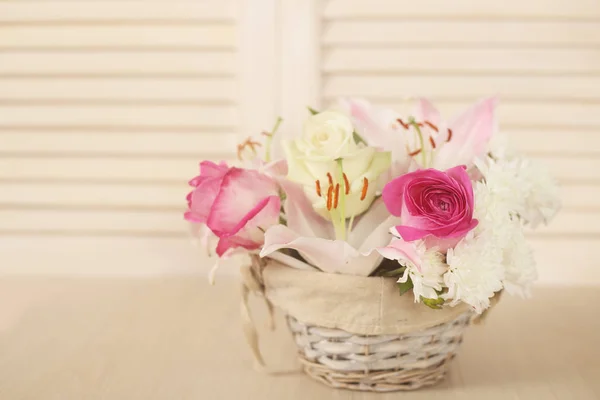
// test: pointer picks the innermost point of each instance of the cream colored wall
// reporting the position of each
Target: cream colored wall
(107, 106)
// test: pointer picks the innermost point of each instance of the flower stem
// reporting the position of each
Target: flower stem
(269, 140)
(342, 200)
(412, 122)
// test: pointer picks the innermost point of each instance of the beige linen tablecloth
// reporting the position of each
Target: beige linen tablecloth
(179, 338)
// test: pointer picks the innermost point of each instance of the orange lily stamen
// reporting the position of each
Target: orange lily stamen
(330, 179)
(337, 195)
(318, 187)
(432, 126)
(365, 188)
(247, 143)
(405, 126)
(330, 197)
(414, 153)
(449, 135)
(432, 142)
(346, 183)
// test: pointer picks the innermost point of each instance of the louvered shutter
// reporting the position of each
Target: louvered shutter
(106, 107)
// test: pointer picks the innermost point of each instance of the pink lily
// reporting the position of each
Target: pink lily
(465, 138)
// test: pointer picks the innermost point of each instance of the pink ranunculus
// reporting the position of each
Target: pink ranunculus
(432, 204)
(238, 205)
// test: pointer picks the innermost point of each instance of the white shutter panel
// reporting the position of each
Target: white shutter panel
(542, 58)
(106, 107)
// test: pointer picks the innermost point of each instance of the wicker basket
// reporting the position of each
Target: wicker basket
(378, 363)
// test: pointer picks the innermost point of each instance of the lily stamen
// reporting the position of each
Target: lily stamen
(247, 143)
(330, 179)
(329, 197)
(346, 183)
(414, 153)
(336, 196)
(449, 135)
(318, 187)
(365, 188)
(404, 125)
(432, 126)
(432, 142)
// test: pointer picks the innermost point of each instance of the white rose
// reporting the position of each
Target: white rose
(324, 154)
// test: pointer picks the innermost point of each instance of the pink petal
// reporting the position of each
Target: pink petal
(393, 194)
(248, 234)
(426, 111)
(201, 199)
(460, 175)
(409, 233)
(475, 126)
(471, 133)
(210, 169)
(243, 193)
(367, 122)
(401, 250)
(227, 243)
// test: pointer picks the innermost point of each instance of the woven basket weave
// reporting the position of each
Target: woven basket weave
(378, 363)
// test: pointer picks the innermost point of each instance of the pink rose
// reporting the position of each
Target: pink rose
(238, 205)
(432, 202)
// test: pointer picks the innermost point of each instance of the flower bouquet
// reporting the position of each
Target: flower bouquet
(380, 236)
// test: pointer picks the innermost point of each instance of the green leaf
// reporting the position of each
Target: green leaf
(405, 286)
(393, 272)
(436, 304)
(312, 110)
(358, 139)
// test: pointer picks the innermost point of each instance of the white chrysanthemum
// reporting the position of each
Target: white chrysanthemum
(523, 187)
(493, 213)
(475, 271)
(520, 269)
(542, 200)
(428, 278)
(503, 184)
(500, 147)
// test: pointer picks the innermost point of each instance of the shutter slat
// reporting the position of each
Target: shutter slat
(74, 221)
(487, 33)
(118, 143)
(475, 9)
(225, 116)
(555, 141)
(93, 196)
(200, 89)
(107, 62)
(113, 169)
(477, 61)
(583, 88)
(121, 36)
(111, 10)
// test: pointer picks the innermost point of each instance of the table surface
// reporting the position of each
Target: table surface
(179, 338)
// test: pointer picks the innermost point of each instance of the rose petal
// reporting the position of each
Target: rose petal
(201, 199)
(242, 195)
(409, 233)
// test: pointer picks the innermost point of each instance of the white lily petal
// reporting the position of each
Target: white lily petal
(331, 256)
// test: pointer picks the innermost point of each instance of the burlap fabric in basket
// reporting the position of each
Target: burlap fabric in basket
(357, 332)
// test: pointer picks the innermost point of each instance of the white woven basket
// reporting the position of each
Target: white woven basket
(378, 363)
